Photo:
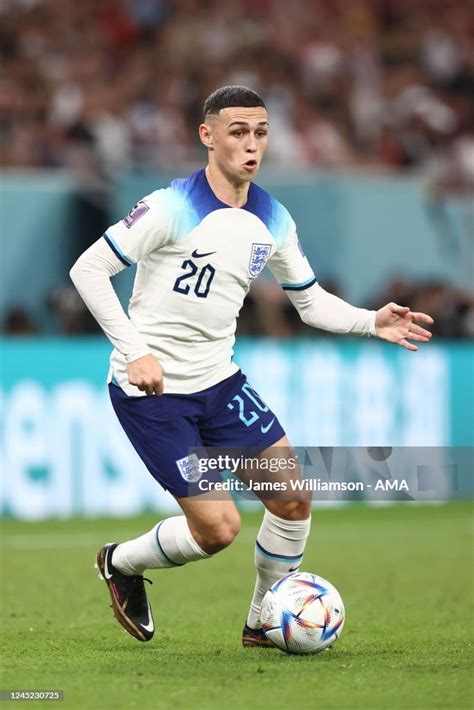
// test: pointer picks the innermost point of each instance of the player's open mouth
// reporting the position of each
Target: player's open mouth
(250, 164)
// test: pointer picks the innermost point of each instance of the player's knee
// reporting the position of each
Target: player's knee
(221, 535)
(217, 539)
(295, 509)
(223, 538)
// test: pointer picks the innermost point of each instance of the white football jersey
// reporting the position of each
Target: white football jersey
(196, 258)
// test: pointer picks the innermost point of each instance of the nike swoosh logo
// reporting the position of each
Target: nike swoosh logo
(107, 574)
(264, 429)
(150, 626)
(294, 569)
(197, 255)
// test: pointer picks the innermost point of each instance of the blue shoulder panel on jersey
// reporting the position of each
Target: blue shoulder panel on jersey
(272, 213)
(201, 201)
(199, 196)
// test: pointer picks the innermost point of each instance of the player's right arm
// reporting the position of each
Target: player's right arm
(123, 244)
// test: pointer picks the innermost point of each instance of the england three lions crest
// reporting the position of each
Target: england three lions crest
(258, 258)
(189, 468)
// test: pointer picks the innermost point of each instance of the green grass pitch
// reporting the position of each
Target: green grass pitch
(405, 574)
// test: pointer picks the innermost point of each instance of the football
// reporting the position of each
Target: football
(302, 613)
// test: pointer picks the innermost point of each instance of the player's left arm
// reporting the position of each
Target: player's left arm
(321, 309)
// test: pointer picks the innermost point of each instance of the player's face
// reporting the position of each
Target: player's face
(237, 138)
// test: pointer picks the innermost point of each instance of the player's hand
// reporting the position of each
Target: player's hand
(146, 373)
(397, 325)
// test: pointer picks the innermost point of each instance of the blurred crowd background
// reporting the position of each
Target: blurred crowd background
(108, 84)
(100, 87)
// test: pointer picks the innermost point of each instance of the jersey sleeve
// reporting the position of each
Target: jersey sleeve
(91, 276)
(315, 306)
(147, 227)
(290, 266)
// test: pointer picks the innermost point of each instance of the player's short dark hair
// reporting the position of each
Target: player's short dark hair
(230, 96)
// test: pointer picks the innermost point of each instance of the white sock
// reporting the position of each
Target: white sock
(168, 544)
(278, 551)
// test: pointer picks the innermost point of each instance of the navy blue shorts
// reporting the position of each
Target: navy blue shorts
(163, 428)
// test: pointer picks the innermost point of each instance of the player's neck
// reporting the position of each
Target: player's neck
(234, 195)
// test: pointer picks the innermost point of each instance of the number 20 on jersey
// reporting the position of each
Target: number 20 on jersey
(195, 279)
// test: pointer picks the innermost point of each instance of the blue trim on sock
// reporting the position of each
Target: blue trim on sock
(279, 558)
(175, 564)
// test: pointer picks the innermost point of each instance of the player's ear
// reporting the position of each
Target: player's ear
(205, 134)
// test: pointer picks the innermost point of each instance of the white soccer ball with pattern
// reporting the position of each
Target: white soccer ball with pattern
(302, 613)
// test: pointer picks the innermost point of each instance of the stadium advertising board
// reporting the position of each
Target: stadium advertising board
(64, 454)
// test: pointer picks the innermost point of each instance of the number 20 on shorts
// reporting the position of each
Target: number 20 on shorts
(251, 417)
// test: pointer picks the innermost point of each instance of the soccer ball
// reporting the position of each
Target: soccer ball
(302, 613)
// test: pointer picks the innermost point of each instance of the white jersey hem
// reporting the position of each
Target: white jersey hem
(173, 385)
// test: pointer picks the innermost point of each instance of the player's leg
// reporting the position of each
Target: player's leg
(240, 422)
(213, 520)
(162, 429)
(206, 527)
(281, 539)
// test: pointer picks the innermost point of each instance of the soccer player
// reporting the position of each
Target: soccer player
(173, 384)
